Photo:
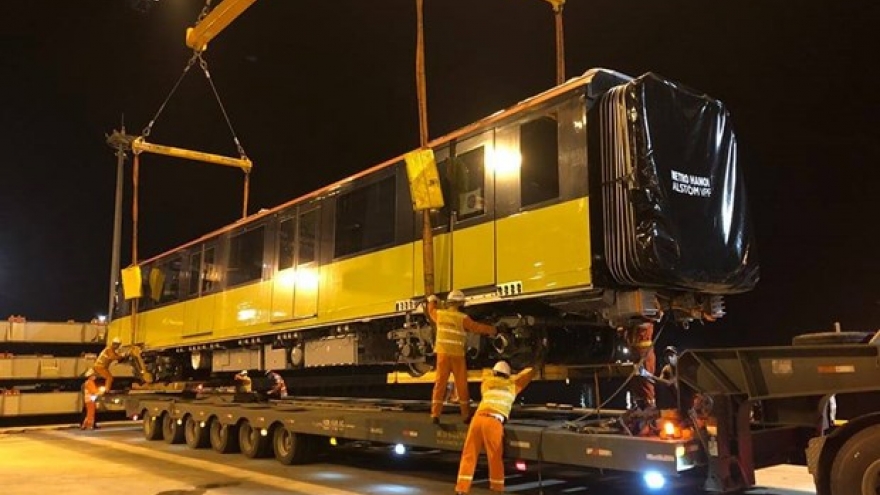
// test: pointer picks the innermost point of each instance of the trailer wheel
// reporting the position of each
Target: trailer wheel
(172, 431)
(856, 466)
(292, 448)
(253, 443)
(196, 436)
(224, 438)
(826, 338)
(152, 431)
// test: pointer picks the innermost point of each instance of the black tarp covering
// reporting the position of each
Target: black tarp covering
(673, 171)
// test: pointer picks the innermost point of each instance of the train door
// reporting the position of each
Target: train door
(295, 285)
(208, 278)
(465, 255)
(542, 218)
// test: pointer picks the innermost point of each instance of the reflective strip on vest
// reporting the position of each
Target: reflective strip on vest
(451, 336)
(498, 396)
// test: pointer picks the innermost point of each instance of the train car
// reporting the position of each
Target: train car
(599, 204)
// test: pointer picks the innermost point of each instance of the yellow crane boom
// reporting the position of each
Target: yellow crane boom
(222, 15)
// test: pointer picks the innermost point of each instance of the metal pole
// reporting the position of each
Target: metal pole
(560, 45)
(120, 142)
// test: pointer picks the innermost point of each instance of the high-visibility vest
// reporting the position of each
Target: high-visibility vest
(451, 336)
(107, 356)
(498, 395)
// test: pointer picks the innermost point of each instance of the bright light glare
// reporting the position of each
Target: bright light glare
(654, 480)
(521, 465)
(399, 449)
(505, 161)
(246, 314)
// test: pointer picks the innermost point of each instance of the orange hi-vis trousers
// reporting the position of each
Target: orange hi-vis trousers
(456, 365)
(89, 422)
(485, 431)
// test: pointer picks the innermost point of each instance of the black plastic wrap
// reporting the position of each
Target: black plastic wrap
(674, 200)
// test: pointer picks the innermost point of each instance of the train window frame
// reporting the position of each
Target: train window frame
(210, 271)
(361, 193)
(194, 273)
(525, 202)
(315, 214)
(254, 272)
(455, 154)
(170, 292)
(286, 242)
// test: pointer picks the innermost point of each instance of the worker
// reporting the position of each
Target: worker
(279, 388)
(639, 338)
(487, 428)
(450, 347)
(109, 355)
(90, 398)
(243, 383)
(668, 397)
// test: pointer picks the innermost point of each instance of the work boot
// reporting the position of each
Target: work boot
(435, 420)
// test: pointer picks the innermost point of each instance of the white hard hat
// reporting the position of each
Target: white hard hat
(243, 372)
(502, 367)
(116, 340)
(90, 372)
(455, 296)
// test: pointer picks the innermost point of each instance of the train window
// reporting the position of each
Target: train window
(365, 218)
(285, 243)
(165, 281)
(245, 257)
(308, 237)
(468, 180)
(539, 172)
(195, 268)
(210, 271)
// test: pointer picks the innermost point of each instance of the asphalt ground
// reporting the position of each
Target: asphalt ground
(117, 459)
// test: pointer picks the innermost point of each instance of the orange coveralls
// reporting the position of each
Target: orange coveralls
(639, 338)
(90, 395)
(105, 359)
(487, 429)
(450, 347)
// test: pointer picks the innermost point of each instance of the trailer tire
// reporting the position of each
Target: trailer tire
(224, 438)
(197, 437)
(252, 442)
(856, 466)
(292, 448)
(152, 431)
(832, 338)
(172, 431)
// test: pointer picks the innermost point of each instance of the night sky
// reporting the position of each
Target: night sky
(319, 90)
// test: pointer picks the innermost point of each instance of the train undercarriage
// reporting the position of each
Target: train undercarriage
(583, 328)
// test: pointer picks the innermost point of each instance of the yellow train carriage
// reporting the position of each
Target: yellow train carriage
(336, 277)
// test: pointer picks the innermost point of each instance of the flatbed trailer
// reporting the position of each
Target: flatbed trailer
(748, 408)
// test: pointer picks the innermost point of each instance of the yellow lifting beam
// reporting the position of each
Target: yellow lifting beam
(216, 21)
(140, 145)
